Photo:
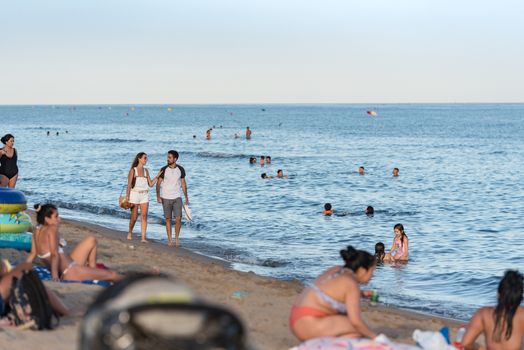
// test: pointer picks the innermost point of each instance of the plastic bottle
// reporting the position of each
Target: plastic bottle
(458, 339)
(374, 298)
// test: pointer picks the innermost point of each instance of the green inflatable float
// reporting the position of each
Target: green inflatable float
(14, 224)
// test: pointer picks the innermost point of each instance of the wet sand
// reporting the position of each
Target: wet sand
(264, 307)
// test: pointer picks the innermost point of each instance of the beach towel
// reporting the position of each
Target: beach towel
(45, 275)
(332, 343)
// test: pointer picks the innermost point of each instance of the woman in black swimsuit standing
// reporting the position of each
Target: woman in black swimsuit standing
(8, 159)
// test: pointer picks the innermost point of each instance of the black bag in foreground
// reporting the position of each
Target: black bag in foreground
(154, 312)
(29, 305)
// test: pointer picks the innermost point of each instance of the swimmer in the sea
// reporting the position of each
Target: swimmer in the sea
(370, 211)
(265, 176)
(400, 248)
(280, 174)
(262, 160)
(361, 170)
(248, 133)
(328, 209)
(208, 134)
(395, 172)
(252, 160)
(268, 160)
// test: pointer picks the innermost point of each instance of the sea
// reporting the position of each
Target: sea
(459, 195)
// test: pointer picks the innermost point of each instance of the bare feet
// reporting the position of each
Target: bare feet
(170, 243)
(129, 237)
(144, 241)
(177, 244)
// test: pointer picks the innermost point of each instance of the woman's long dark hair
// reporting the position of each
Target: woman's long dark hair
(44, 211)
(400, 227)
(137, 157)
(6, 138)
(509, 299)
(355, 259)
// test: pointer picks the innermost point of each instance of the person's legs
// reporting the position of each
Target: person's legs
(132, 221)
(56, 304)
(12, 181)
(4, 181)
(177, 212)
(143, 220)
(82, 273)
(309, 327)
(85, 252)
(167, 205)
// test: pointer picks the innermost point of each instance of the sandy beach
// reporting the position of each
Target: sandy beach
(264, 308)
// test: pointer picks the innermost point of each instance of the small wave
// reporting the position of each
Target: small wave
(113, 140)
(221, 155)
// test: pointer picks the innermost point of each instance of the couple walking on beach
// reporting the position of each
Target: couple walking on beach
(170, 184)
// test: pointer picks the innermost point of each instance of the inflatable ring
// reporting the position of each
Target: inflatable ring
(20, 241)
(12, 201)
(14, 223)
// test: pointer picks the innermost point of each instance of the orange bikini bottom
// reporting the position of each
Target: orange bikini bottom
(297, 312)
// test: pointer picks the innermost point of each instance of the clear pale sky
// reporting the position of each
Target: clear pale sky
(267, 51)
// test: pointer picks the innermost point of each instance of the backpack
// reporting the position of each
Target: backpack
(29, 305)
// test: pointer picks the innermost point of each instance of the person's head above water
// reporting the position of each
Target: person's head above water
(268, 159)
(360, 262)
(327, 206)
(361, 170)
(509, 299)
(370, 210)
(46, 214)
(8, 138)
(380, 252)
(172, 157)
(328, 209)
(280, 173)
(395, 171)
(264, 176)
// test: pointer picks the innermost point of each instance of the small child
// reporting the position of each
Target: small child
(380, 252)
(328, 211)
(399, 249)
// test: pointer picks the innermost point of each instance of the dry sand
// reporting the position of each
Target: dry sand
(264, 308)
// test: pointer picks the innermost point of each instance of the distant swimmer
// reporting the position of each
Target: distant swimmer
(370, 211)
(248, 133)
(252, 160)
(208, 134)
(328, 209)
(57, 133)
(48, 133)
(280, 174)
(194, 136)
(265, 176)
(268, 160)
(395, 172)
(262, 160)
(237, 136)
(361, 170)
(400, 248)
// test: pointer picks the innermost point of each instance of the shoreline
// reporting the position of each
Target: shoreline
(264, 306)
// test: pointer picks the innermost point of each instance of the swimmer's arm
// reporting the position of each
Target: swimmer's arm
(392, 247)
(55, 257)
(354, 312)
(406, 248)
(474, 329)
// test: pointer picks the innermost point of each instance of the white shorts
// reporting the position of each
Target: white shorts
(138, 197)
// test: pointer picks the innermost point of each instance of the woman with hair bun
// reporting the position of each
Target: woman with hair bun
(330, 306)
(8, 162)
(503, 325)
(79, 265)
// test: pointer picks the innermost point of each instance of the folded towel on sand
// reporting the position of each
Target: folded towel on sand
(331, 343)
(45, 275)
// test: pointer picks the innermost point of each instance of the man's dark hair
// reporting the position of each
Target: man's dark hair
(173, 153)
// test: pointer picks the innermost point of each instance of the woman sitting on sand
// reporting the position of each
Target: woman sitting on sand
(72, 267)
(330, 306)
(503, 325)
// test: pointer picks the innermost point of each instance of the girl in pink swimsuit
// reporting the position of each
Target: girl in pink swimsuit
(399, 249)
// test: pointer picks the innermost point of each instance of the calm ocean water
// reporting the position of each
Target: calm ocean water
(460, 194)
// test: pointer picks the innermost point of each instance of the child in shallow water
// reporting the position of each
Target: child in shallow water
(380, 252)
(399, 249)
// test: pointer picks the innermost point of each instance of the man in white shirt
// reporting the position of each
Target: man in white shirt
(169, 188)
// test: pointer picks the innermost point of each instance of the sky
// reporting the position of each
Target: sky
(260, 51)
